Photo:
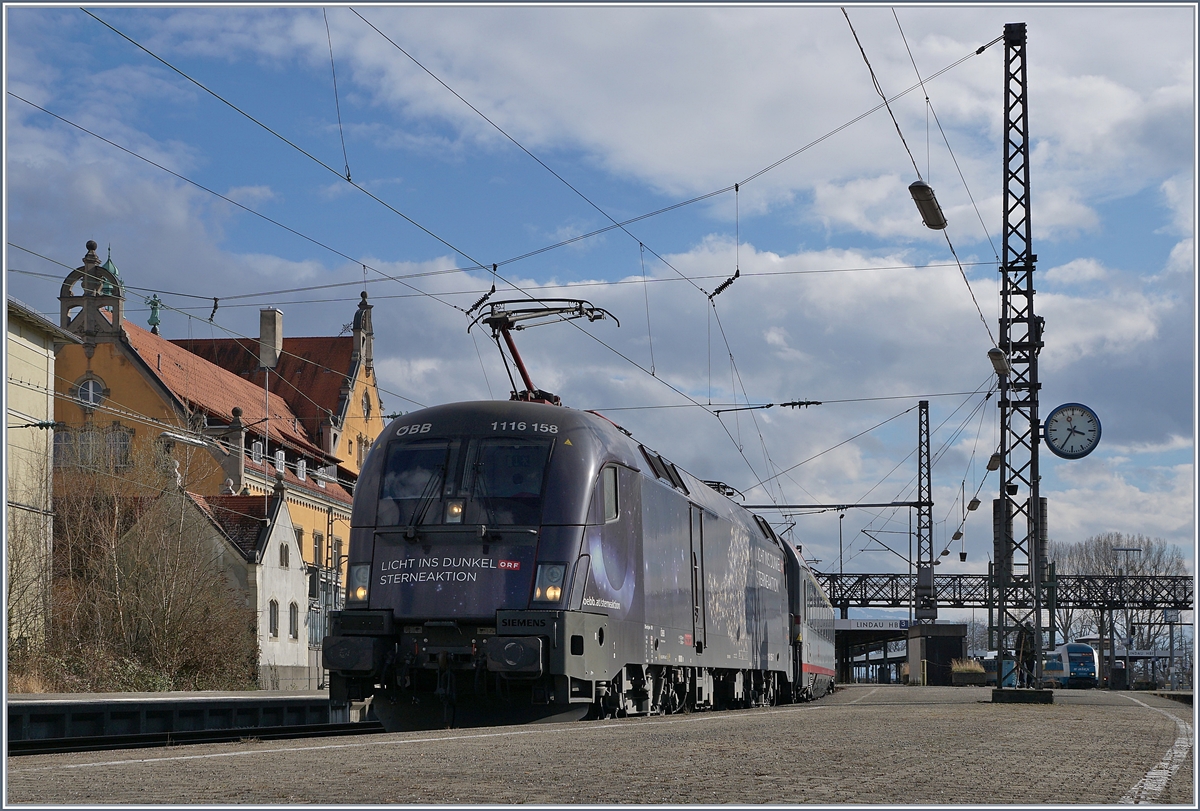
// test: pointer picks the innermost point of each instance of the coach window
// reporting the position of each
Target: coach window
(274, 619)
(611, 507)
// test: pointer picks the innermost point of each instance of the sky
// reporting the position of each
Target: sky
(207, 149)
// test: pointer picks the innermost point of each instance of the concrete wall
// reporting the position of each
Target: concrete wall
(28, 477)
(283, 658)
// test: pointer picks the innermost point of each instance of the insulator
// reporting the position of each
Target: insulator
(927, 204)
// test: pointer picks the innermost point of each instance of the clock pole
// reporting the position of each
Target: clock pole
(1019, 515)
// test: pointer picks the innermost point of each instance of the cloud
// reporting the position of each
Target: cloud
(1180, 195)
(1172, 444)
(1075, 271)
(248, 195)
(1099, 497)
(844, 296)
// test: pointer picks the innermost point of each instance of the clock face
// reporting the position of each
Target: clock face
(1072, 431)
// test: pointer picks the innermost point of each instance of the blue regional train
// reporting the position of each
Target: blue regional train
(1071, 665)
(518, 561)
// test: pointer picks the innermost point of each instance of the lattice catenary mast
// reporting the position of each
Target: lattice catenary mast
(1019, 514)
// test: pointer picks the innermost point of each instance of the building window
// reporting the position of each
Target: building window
(366, 405)
(274, 619)
(110, 449)
(256, 449)
(119, 442)
(325, 471)
(293, 621)
(90, 392)
(337, 552)
(64, 448)
(319, 548)
(280, 461)
(301, 469)
(284, 555)
(90, 446)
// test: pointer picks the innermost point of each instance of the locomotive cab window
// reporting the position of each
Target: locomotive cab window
(491, 481)
(412, 480)
(611, 505)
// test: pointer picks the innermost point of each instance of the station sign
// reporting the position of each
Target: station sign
(870, 625)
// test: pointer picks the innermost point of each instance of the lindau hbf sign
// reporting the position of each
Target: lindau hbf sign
(870, 625)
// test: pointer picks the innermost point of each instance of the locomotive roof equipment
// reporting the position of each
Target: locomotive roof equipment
(504, 317)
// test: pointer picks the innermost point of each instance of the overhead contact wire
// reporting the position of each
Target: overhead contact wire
(882, 95)
(336, 103)
(248, 210)
(290, 143)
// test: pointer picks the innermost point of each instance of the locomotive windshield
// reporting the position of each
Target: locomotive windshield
(495, 481)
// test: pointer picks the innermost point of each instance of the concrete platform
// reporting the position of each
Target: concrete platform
(883, 745)
(1017, 695)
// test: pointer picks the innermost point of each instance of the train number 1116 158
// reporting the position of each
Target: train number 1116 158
(525, 426)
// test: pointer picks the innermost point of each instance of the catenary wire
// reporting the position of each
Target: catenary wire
(183, 311)
(519, 146)
(961, 177)
(238, 205)
(882, 95)
(290, 143)
(356, 185)
(336, 102)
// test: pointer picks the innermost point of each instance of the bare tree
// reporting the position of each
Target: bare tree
(142, 595)
(1111, 554)
(27, 553)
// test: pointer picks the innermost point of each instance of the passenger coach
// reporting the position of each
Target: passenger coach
(515, 561)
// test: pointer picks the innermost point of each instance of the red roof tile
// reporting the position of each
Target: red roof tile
(242, 518)
(309, 375)
(200, 384)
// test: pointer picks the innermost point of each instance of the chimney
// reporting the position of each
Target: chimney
(270, 337)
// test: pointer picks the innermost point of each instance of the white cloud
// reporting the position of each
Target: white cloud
(1075, 271)
(1180, 194)
(1172, 444)
(645, 106)
(1100, 497)
(248, 195)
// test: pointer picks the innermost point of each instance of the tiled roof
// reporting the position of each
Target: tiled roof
(309, 375)
(242, 518)
(200, 384)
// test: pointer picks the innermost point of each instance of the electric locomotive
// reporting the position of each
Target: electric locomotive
(518, 561)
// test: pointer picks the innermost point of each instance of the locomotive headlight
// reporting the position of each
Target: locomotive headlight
(454, 511)
(547, 585)
(359, 577)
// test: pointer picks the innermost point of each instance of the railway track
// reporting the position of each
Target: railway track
(48, 746)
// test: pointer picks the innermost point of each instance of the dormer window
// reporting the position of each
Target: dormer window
(256, 451)
(301, 469)
(280, 461)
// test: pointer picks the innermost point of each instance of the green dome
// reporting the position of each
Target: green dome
(106, 288)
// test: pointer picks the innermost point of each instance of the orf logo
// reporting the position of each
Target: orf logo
(511, 565)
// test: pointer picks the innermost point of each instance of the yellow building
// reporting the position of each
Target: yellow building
(230, 413)
(32, 342)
